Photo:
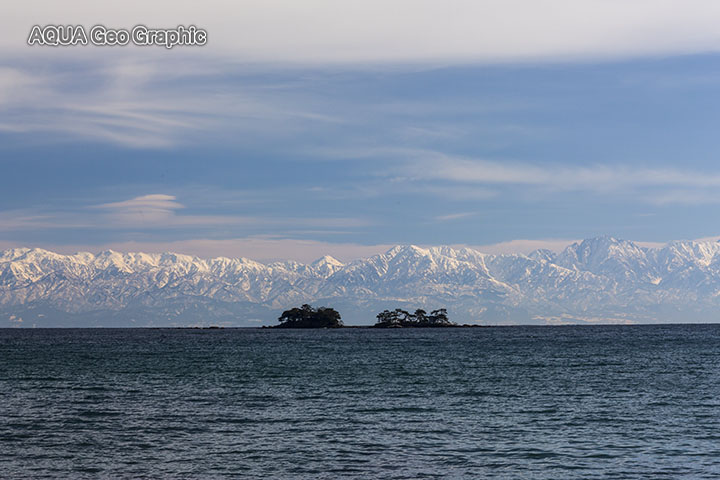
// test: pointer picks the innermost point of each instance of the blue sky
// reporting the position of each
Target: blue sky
(292, 155)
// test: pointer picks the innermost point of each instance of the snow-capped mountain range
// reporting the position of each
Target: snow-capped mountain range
(599, 280)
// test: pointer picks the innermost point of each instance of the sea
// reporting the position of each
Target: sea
(523, 402)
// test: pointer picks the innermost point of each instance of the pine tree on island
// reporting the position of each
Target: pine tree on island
(403, 318)
(310, 317)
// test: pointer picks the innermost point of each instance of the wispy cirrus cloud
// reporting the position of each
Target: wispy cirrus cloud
(146, 104)
(159, 211)
(454, 216)
(481, 178)
(436, 166)
(108, 109)
(415, 170)
(151, 98)
(685, 196)
(153, 211)
(153, 207)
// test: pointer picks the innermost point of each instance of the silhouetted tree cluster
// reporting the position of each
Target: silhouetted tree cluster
(402, 318)
(309, 317)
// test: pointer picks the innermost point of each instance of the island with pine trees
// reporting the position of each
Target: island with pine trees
(400, 318)
(308, 316)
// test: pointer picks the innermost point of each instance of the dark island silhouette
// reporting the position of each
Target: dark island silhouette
(400, 318)
(309, 317)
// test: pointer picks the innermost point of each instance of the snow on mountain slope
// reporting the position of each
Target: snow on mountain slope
(599, 279)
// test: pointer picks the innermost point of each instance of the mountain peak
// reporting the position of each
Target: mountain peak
(602, 243)
(603, 254)
(327, 260)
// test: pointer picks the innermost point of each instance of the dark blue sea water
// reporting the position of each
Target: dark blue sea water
(512, 402)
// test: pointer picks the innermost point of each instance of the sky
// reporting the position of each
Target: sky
(332, 127)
